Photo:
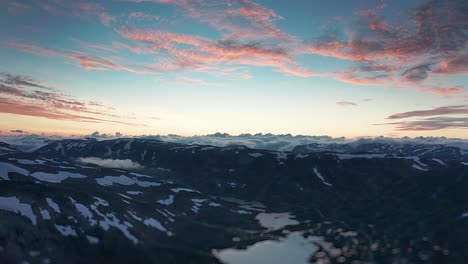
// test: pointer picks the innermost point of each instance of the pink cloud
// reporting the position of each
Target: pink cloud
(87, 61)
(22, 95)
(194, 81)
(16, 7)
(386, 54)
(402, 56)
(141, 16)
(107, 19)
(81, 9)
(236, 19)
(204, 53)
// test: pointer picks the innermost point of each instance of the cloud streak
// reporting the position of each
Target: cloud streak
(22, 95)
(203, 54)
(86, 61)
(444, 117)
(443, 110)
(346, 104)
(433, 123)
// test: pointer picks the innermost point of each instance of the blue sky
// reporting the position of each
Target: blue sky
(338, 68)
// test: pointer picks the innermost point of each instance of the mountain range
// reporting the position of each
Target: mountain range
(149, 201)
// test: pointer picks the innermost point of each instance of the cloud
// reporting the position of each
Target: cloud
(444, 117)
(16, 7)
(21, 108)
(141, 16)
(28, 142)
(237, 19)
(249, 37)
(107, 19)
(430, 42)
(102, 136)
(189, 52)
(18, 80)
(22, 95)
(18, 131)
(81, 9)
(346, 103)
(86, 61)
(194, 81)
(112, 163)
(255, 141)
(432, 123)
(455, 65)
(416, 73)
(443, 110)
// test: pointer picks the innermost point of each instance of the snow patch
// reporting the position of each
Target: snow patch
(53, 205)
(124, 180)
(14, 205)
(206, 148)
(439, 161)
(156, 224)
(416, 166)
(6, 168)
(66, 230)
(134, 216)
(134, 192)
(317, 173)
(177, 190)
(92, 239)
(26, 162)
(84, 211)
(167, 201)
(56, 178)
(110, 220)
(45, 214)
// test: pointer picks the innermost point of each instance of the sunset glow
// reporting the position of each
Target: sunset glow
(147, 67)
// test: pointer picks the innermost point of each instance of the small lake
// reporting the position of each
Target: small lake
(294, 248)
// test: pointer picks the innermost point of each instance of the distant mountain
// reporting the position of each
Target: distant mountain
(7, 149)
(372, 203)
(427, 151)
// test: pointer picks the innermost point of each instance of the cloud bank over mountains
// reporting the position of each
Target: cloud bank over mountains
(272, 142)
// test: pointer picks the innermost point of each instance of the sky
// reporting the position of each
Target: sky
(191, 67)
